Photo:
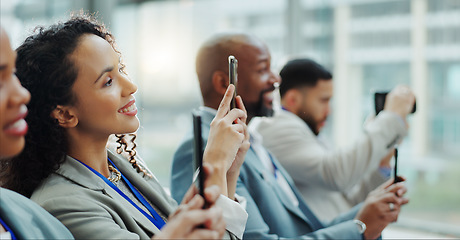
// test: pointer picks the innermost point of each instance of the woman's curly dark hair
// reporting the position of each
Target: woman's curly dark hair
(45, 67)
(123, 145)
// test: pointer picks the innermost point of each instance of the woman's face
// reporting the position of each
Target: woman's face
(105, 103)
(13, 100)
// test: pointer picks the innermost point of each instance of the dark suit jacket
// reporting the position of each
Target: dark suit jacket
(271, 214)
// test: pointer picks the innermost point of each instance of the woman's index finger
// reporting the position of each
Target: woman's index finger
(224, 105)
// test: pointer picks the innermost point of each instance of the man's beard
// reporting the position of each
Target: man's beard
(310, 121)
(262, 110)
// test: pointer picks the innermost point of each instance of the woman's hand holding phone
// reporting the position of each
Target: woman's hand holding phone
(190, 221)
(227, 134)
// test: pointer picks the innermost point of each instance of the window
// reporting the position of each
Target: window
(380, 8)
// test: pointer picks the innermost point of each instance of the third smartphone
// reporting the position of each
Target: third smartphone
(198, 153)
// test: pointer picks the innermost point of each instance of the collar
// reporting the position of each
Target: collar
(79, 174)
(255, 137)
(208, 110)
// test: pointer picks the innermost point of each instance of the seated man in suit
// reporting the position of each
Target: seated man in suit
(331, 181)
(275, 208)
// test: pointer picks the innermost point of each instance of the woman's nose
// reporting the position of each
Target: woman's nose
(19, 95)
(129, 87)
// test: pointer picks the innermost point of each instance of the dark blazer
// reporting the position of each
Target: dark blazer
(271, 214)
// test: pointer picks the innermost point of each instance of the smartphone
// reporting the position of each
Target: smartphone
(233, 76)
(198, 153)
(395, 172)
(379, 102)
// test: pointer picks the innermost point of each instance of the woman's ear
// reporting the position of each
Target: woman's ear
(220, 81)
(65, 116)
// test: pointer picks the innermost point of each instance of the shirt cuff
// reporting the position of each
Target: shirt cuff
(400, 119)
(234, 214)
(385, 171)
(241, 200)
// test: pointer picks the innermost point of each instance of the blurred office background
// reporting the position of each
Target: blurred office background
(369, 45)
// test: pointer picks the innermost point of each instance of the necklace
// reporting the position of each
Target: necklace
(117, 173)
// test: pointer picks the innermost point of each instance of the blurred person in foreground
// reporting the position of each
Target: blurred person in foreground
(331, 181)
(20, 218)
(80, 95)
(275, 208)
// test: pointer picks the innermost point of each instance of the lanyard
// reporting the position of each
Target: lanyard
(274, 166)
(13, 237)
(156, 219)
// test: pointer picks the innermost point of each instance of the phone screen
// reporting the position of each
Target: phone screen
(198, 153)
(233, 76)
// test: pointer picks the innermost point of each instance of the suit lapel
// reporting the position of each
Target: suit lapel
(143, 221)
(311, 217)
(151, 189)
(206, 119)
(78, 173)
(270, 179)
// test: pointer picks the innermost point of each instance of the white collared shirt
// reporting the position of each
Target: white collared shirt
(263, 154)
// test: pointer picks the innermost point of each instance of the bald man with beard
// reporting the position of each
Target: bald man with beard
(274, 205)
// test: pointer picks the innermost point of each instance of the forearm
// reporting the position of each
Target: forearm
(232, 178)
(219, 178)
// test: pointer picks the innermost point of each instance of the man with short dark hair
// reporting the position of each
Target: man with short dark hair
(331, 182)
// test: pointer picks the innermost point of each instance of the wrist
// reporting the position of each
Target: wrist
(385, 171)
(400, 116)
(233, 174)
(216, 160)
(218, 177)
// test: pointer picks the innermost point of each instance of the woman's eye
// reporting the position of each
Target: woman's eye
(108, 83)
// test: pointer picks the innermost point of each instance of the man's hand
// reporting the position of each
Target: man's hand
(381, 207)
(400, 101)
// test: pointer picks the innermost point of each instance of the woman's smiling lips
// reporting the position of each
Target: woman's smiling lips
(18, 126)
(129, 109)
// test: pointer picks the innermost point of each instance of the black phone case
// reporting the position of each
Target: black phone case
(232, 76)
(198, 152)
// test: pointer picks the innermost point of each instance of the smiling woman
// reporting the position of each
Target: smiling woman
(12, 102)
(81, 96)
(20, 218)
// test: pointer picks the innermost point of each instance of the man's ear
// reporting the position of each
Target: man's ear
(292, 100)
(220, 81)
(65, 115)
